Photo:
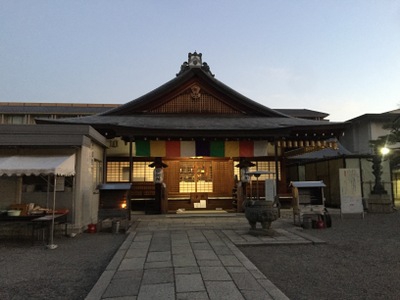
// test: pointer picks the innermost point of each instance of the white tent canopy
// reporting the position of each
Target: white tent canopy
(60, 165)
(50, 165)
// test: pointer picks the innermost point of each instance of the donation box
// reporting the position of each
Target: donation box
(308, 199)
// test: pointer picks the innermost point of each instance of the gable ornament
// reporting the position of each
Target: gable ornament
(195, 92)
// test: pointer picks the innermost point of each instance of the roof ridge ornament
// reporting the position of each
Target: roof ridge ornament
(195, 61)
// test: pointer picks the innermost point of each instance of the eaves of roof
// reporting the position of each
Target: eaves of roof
(47, 134)
(46, 110)
(194, 122)
(302, 113)
(190, 125)
(387, 117)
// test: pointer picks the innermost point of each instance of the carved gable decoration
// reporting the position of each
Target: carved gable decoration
(194, 100)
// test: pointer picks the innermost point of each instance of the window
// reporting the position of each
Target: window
(262, 166)
(97, 173)
(142, 171)
(14, 119)
(118, 171)
(195, 177)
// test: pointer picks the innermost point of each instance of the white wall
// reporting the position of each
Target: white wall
(117, 147)
(86, 196)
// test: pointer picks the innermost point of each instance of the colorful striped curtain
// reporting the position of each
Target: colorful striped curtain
(204, 148)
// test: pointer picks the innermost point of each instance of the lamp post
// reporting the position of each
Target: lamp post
(378, 188)
(379, 200)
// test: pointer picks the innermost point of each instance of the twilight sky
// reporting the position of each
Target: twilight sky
(340, 57)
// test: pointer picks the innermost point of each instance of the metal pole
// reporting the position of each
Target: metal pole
(52, 246)
(276, 168)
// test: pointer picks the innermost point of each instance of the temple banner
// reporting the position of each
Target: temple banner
(204, 148)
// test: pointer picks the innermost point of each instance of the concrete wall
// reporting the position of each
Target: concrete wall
(87, 195)
(357, 137)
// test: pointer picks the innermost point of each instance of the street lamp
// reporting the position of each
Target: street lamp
(378, 188)
(385, 151)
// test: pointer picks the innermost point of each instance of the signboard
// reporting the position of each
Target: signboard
(270, 190)
(158, 175)
(350, 191)
(60, 184)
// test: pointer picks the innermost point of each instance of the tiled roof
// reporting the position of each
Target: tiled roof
(54, 108)
(302, 113)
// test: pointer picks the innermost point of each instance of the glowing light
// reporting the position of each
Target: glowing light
(385, 150)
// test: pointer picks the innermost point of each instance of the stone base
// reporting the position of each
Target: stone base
(263, 232)
(380, 204)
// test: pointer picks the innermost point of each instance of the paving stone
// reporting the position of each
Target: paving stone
(160, 245)
(230, 261)
(187, 270)
(122, 287)
(197, 238)
(194, 258)
(237, 269)
(144, 245)
(250, 238)
(205, 255)
(181, 249)
(212, 236)
(158, 265)
(143, 237)
(184, 241)
(189, 283)
(256, 295)
(244, 260)
(257, 274)
(155, 276)
(246, 281)
(200, 246)
(248, 264)
(192, 296)
(131, 253)
(222, 250)
(214, 273)
(158, 256)
(178, 235)
(129, 274)
(161, 235)
(165, 291)
(223, 290)
(116, 260)
(184, 260)
(132, 263)
(209, 263)
(121, 298)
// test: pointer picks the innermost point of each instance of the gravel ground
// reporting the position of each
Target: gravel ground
(68, 272)
(361, 260)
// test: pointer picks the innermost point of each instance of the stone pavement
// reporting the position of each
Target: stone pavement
(192, 257)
